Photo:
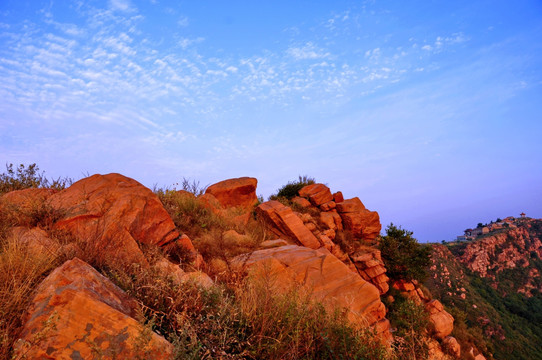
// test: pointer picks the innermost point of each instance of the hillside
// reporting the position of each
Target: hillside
(493, 285)
(106, 268)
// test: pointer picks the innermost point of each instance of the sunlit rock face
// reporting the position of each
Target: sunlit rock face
(77, 313)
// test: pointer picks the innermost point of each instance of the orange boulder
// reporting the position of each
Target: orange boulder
(356, 218)
(285, 223)
(114, 213)
(235, 192)
(78, 313)
(325, 277)
(441, 322)
(318, 194)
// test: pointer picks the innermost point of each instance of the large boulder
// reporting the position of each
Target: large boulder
(356, 218)
(441, 322)
(79, 314)
(285, 223)
(114, 213)
(318, 194)
(240, 192)
(327, 279)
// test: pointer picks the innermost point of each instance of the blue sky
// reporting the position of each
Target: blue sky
(429, 111)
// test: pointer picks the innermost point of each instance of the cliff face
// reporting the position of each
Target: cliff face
(493, 283)
(517, 249)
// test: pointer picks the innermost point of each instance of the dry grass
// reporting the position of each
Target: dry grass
(21, 271)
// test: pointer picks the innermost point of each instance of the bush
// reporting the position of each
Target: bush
(291, 189)
(411, 321)
(403, 256)
(24, 177)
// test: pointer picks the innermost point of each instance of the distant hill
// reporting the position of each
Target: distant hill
(493, 288)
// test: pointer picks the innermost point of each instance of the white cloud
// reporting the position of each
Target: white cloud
(183, 21)
(122, 5)
(307, 51)
(186, 42)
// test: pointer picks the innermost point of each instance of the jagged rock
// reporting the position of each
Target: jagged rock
(239, 192)
(451, 346)
(370, 266)
(79, 314)
(328, 279)
(338, 197)
(442, 323)
(356, 218)
(332, 220)
(330, 205)
(285, 223)
(114, 213)
(318, 194)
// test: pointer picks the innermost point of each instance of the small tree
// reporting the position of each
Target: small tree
(403, 256)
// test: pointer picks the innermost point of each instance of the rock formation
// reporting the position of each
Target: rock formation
(79, 314)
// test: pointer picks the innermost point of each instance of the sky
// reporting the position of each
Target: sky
(428, 111)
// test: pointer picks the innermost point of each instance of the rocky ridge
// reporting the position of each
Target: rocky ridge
(319, 242)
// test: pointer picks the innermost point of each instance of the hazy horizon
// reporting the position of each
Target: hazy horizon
(429, 112)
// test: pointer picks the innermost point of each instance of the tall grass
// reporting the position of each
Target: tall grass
(21, 271)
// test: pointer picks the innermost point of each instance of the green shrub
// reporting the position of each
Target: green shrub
(403, 256)
(291, 189)
(410, 321)
(24, 177)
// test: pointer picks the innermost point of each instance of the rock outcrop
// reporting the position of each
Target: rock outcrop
(79, 314)
(442, 323)
(328, 279)
(115, 214)
(356, 218)
(285, 223)
(240, 192)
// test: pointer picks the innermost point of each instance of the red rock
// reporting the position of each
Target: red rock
(451, 346)
(330, 205)
(405, 286)
(36, 241)
(338, 197)
(330, 233)
(240, 192)
(326, 242)
(211, 203)
(331, 220)
(442, 323)
(179, 276)
(187, 194)
(365, 224)
(375, 271)
(114, 213)
(78, 312)
(350, 206)
(21, 204)
(302, 202)
(285, 223)
(327, 278)
(318, 194)
(269, 244)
